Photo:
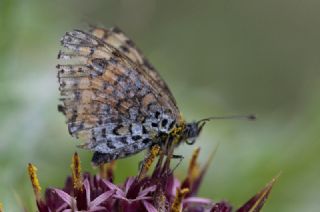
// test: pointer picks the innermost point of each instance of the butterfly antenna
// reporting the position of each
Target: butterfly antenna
(246, 117)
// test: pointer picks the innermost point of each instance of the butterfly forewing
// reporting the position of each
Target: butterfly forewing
(111, 99)
(119, 40)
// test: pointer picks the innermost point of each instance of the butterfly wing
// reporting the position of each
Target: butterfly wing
(109, 100)
(119, 40)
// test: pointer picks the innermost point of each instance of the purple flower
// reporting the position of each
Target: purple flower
(160, 191)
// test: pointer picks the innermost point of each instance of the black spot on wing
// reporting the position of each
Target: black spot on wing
(172, 124)
(136, 137)
(146, 141)
(164, 122)
(130, 129)
(116, 30)
(130, 43)
(123, 140)
(157, 114)
(62, 109)
(144, 130)
(104, 133)
(124, 48)
(110, 145)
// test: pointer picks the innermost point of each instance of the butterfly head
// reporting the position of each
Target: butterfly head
(192, 131)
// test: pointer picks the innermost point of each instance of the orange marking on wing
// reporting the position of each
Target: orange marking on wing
(85, 50)
(147, 99)
(109, 76)
(87, 96)
(84, 83)
(97, 83)
(99, 33)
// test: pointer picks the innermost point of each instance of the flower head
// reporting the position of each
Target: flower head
(159, 191)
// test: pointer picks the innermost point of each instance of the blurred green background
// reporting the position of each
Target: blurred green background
(219, 57)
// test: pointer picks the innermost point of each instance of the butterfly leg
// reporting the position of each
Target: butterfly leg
(180, 159)
(140, 164)
(106, 170)
(147, 162)
(167, 169)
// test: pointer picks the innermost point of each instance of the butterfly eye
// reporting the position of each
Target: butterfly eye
(190, 142)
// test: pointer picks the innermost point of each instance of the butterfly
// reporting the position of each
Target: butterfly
(114, 99)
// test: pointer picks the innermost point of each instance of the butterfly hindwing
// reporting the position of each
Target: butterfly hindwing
(109, 99)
